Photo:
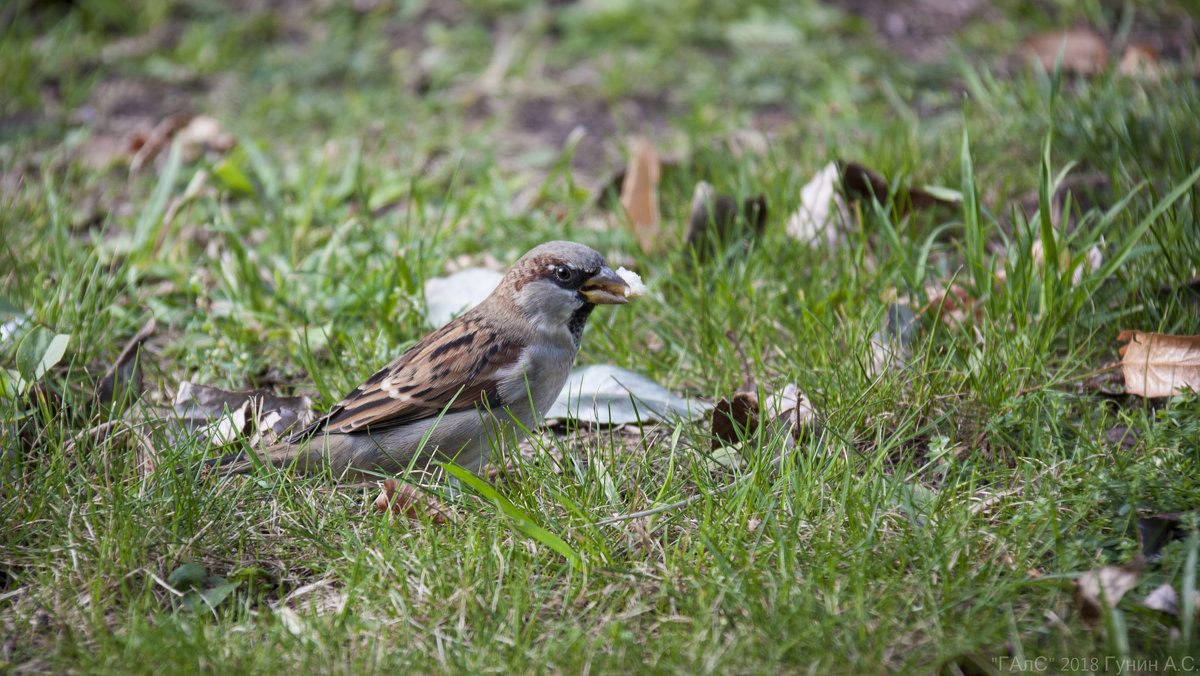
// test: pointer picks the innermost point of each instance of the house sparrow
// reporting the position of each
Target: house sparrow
(490, 373)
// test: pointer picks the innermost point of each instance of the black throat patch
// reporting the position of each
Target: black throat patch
(578, 319)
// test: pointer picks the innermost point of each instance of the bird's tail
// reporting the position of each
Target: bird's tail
(279, 455)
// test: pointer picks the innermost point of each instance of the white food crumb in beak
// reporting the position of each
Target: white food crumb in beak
(635, 288)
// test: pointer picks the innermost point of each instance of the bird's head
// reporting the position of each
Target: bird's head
(557, 284)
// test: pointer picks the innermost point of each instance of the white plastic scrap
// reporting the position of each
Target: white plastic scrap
(615, 396)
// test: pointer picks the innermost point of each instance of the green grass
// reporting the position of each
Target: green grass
(941, 510)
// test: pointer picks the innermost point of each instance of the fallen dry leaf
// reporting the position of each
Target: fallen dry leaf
(718, 213)
(891, 344)
(1107, 584)
(204, 133)
(738, 417)
(1159, 364)
(223, 415)
(860, 182)
(124, 377)
(1163, 599)
(954, 304)
(1091, 262)
(411, 502)
(608, 191)
(1140, 61)
(734, 419)
(146, 146)
(790, 410)
(639, 192)
(823, 213)
(195, 133)
(1083, 51)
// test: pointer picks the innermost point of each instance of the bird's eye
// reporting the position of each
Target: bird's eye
(562, 273)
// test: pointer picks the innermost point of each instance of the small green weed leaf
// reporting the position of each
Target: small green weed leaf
(216, 595)
(187, 576)
(249, 574)
(232, 177)
(914, 500)
(190, 601)
(10, 383)
(218, 590)
(38, 352)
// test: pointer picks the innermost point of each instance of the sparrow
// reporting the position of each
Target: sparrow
(488, 375)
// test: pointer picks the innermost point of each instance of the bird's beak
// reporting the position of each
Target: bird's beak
(605, 288)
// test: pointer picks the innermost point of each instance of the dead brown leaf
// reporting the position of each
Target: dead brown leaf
(790, 410)
(204, 133)
(1159, 364)
(411, 502)
(195, 133)
(1163, 599)
(146, 146)
(639, 192)
(1140, 61)
(823, 215)
(224, 415)
(734, 419)
(738, 417)
(124, 377)
(954, 304)
(1091, 262)
(710, 210)
(863, 183)
(1107, 584)
(713, 211)
(1083, 51)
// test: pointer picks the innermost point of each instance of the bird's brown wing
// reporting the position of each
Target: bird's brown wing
(448, 370)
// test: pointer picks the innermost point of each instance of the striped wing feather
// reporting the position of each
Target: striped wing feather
(444, 371)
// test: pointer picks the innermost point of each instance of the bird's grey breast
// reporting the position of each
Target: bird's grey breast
(537, 378)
